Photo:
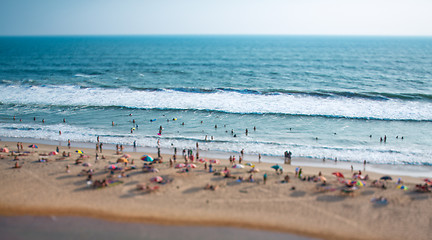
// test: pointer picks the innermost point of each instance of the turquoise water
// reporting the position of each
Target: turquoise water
(332, 97)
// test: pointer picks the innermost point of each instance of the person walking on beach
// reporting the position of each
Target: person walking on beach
(100, 147)
(69, 144)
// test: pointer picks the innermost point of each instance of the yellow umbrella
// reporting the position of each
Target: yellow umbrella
(79, 151)
(122, 160)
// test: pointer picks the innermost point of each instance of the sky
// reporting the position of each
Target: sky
(200, 17)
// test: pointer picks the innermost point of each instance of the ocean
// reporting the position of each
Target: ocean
(316, 96)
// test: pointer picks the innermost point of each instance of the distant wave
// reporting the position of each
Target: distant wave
(326, 104)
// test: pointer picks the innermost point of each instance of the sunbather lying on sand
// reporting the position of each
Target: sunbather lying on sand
(211, 187)
(146, 188)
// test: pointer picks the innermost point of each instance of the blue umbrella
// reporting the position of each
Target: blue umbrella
(33, 146)
(147, 158)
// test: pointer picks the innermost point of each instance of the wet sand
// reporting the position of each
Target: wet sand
(46, 189)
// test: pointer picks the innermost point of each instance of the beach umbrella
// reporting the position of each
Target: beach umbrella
(338, 174)
(52, 153)
(33, 146)
(5, 150)
(360, 183)
(191, 165)
(122, 160)
(386, 178)
(157, 179)
(79, 152)
(276, 167)
(147, 158)
(401, 186)
(202, 160)
(180, 165)
(215, 161)
(112, 167)
(238, 166)
(126, 156)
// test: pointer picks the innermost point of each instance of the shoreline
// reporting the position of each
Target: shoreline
(390, 169)
(44, 189)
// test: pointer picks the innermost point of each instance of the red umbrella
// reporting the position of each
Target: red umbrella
(180, 165)
(215, 161)
(338, 174)
(191, 166)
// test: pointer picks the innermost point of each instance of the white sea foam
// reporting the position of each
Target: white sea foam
(377, 154)
(226, 101)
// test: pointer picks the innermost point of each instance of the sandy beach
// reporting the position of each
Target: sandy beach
(307, 208)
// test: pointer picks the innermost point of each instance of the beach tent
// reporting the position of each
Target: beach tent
(33, 146)
(147, 158)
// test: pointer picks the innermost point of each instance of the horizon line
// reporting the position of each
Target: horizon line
(211, 34)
